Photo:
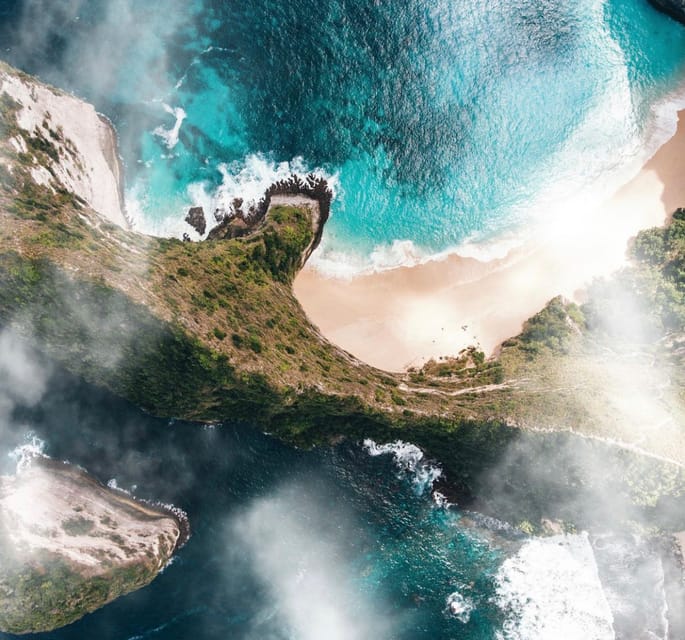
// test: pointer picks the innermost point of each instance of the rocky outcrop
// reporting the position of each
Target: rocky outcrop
(673, 8)
(69, 545)
(211, 330)
(196, 219)
(234, 223)
(62, 143)
(311, 192)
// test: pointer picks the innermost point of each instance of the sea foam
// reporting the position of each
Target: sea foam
(247, 180)
(459, 607)
(557, 108)
(551, 589)
(170, 136)
(409, 460)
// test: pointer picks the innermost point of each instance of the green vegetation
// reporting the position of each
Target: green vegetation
(469, 369)
(280, 248)
(211, 331)
(47, 593)
(647, 300)
(553, 328)
(614, 367)
(78, 526)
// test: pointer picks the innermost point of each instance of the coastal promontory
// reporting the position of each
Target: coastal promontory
(211, 331)
(69, 545)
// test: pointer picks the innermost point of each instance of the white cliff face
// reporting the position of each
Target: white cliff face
(85, 142)
(60, 509)
(69, 545)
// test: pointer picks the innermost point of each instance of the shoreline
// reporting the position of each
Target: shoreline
(401, 318)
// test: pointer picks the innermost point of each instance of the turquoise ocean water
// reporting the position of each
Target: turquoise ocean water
(346, 543)
(439, 124)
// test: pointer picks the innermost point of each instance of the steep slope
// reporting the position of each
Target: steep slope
(69, 545)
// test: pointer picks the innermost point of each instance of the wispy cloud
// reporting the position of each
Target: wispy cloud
(296, 550)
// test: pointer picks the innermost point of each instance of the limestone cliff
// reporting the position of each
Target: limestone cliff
(64, 143)
(69, 545)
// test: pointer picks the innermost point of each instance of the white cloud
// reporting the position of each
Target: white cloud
(298, 554)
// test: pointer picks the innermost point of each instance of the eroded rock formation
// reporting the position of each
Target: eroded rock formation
(196, 219)
(69, 545)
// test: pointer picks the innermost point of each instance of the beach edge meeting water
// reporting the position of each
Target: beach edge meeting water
(210, 330)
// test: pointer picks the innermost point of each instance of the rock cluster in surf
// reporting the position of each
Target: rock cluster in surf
(237, 222)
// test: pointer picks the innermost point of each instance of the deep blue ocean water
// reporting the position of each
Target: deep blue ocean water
(439, 123)
(341, 543)
(285, 544)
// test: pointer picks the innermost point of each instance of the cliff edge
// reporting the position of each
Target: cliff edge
(62, 143)
(69, 545)
(211, 331)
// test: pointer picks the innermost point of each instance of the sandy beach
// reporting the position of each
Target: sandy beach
(401, 318)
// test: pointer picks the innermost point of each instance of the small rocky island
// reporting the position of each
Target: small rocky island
(69, 545)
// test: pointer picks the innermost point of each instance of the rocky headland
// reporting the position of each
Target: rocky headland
(69, 545)
(211, 331)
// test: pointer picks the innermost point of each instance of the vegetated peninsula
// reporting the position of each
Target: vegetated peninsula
(69, 545)
(211, 331)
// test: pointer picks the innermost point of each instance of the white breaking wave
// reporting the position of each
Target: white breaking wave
(607, 149)
(440, 500)
(459, 607)
(342, 265)
(550, 590)
(114, 485)
(634, 580)
(409, 459)
(335, 263)
(25, 454)
(170, 136)
(247, 180)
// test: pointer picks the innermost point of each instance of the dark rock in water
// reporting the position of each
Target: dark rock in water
(231, 228)
(673, 8)
(196, 219)
(237, 207)
(219, 214)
